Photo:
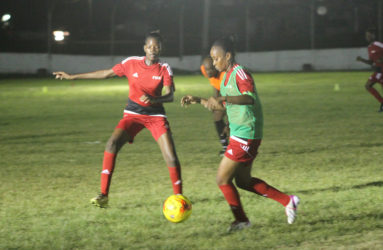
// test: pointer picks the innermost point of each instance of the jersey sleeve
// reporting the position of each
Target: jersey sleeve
(121, 69)
(376, 51)
(245, 81)
(168, 76)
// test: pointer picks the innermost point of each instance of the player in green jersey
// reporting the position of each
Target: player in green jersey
(244, 110)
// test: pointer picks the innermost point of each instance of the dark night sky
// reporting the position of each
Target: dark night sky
(259, 25)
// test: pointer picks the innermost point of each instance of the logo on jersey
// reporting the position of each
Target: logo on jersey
(135, 75)
(230, 151)
(245, 148)
(373, 51)
(105, 171)
(156, 77)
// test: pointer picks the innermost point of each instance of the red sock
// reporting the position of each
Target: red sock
(175, 177)
(232, 197)
(107, 171)
(376, 94)
(260, 187)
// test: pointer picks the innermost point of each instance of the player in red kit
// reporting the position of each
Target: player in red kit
(375, 59)
(147, 77)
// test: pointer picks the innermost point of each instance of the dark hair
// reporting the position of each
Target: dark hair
(227, 44)
(154, 34)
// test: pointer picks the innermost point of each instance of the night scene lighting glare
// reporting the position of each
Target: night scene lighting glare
(6, 18)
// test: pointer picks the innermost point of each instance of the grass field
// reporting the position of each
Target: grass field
(320, 144)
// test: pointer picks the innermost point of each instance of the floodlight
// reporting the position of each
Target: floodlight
(322, 10)
(59, 35)
(6, 17)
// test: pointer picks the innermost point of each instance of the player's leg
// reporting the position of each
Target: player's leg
(381, 105)
(118, 138)
(245, 181)
(226, 172)
(168, 150)
(220, 125)
(370, 88)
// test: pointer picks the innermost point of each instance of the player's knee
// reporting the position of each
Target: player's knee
(368, 85)
(112, 145)
(221, 181)
(171, 160)
(242, 184)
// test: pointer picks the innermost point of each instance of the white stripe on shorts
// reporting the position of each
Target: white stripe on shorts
(238, 139)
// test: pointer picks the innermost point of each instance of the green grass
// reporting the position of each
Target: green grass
(322, 145)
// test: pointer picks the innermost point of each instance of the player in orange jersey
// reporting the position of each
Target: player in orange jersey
(215, 79)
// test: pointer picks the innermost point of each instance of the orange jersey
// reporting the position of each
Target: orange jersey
(214, 81)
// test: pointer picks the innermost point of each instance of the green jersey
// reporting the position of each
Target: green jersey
(245, 121)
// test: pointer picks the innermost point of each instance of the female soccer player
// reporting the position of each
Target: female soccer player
(147, 77)
(375, 59)
(243, 107)
(215, 78)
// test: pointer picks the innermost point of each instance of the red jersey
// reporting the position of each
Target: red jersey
(144, 79)
(375, 52)
(244, 79)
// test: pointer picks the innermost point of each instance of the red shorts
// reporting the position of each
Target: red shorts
(134, 123)
(376, 77)
(242, 150)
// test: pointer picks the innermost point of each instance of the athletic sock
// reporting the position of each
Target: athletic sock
(107, 171)
(220, 126)
(376, 94)
(232, 197)
(175, 177)
(260, 187)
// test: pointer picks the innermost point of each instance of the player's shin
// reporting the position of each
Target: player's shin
(260, 187)
(232, 197)
(175, 177)
(107, 171)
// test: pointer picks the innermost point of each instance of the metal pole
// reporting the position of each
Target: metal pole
(181, 30)
(312, 24)
(380, 19)
(51, 7)
(205, 27)
(247, 10)
(90, 14)
(112, 29)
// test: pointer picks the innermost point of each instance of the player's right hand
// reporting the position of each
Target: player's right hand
(61, 75)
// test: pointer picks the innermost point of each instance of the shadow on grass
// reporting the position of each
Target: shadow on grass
(337, 189)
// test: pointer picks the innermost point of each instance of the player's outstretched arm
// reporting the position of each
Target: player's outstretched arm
(363, 60)
(100, 74)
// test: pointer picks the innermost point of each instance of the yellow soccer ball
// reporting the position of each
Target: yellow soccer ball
(177, 208)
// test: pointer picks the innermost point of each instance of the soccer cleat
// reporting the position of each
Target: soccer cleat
(100, 201)
(381, 108)
(291, 209)
(238, 225)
